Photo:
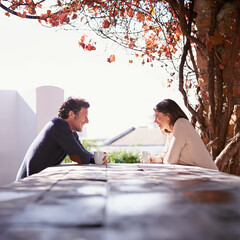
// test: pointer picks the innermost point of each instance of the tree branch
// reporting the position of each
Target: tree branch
(16, 13)
(228, 152)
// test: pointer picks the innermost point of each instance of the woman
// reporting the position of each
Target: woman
(183, 146)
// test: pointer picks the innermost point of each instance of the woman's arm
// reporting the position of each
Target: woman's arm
(160, 157)
(177, 142)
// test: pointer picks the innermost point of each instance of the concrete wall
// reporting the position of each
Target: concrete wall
(17, 131)
(48, 101)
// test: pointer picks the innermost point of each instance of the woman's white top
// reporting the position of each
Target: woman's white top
(184, 146)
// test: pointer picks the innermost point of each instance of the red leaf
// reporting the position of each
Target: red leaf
(111, 58)
(221, 66)
(74, 16)
(106, 24)
(90, 47)
(216, 39)
(83, 38)
(140, 16)
(130, 12)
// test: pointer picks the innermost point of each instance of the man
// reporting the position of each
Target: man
(57, 139)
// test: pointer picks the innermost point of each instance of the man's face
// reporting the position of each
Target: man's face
(79, 120)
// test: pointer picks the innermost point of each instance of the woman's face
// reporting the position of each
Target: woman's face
(163, 121)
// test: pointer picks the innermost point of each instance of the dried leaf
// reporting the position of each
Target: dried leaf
(106, 24)
(111, 58)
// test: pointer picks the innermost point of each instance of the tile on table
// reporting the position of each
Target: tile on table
(81, 211)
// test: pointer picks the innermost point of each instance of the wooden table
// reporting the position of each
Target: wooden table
(122, 202)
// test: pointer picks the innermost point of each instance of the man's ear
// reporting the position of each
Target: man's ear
(71, 114)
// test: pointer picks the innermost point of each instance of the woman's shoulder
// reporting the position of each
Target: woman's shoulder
(182, 121)
(182, 125)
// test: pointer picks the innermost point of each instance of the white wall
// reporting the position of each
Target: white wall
(17, 131)
(48, 101)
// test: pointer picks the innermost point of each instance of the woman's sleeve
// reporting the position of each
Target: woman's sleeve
(176, 144)
(166, 147)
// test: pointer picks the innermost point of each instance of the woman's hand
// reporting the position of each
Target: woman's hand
(158, 159)
(105, 159)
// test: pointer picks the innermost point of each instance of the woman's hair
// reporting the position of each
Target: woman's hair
(72, 104)
(168, 106)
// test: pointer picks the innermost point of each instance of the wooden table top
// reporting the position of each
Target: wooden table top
(122, 202)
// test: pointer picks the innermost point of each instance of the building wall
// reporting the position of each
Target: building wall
(17, 131)
(48, 101)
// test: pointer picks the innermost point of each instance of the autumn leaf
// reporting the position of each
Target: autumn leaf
(152, 11)
(83, 38)
(140, 16)
(83, 45)
(130, 12)
(74, 16)
(7, 14)
(123, 13)
(63, 17)
(90, 47)
(106, 24)
(221, 66)
(216, 39)
(111, 58)
(59, 3)
(228, 41)
(22, 15)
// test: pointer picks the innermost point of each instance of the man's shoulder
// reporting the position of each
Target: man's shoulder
(58, 123)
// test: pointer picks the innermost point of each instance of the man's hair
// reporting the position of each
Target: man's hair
(168, 106)
(72, 104)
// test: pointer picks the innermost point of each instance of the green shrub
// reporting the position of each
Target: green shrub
(115, 156)
(123, 156)
(88, 144)
(67, 159)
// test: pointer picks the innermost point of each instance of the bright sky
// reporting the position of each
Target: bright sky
(121, 95)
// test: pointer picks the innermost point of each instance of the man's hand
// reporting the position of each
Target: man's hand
(76, 158)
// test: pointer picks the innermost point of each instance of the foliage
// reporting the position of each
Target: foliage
(67, 159)
(88, 144)
(123, 156)
(165, 31)
(118, 156)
